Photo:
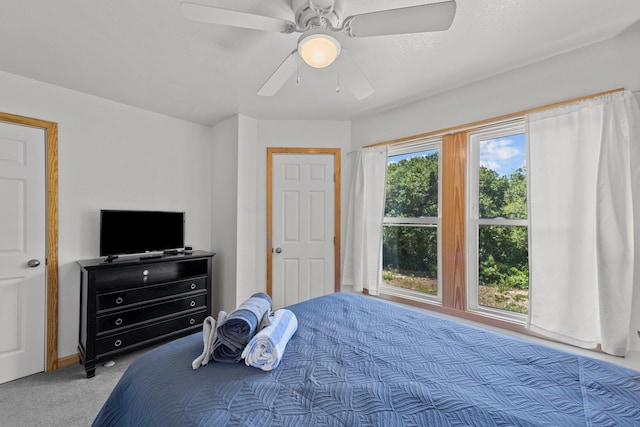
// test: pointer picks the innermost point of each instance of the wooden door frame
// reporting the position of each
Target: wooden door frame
(51, 171)
(336, 152)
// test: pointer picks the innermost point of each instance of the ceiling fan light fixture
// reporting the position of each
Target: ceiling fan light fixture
(318, 49)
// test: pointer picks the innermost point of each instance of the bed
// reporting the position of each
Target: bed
(362, 361)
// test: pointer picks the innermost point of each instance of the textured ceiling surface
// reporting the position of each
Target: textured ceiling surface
(145, 54)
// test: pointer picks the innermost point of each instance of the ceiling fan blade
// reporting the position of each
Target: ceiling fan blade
(280, 75)
(354, 78)
(406, 20)
(233, 18)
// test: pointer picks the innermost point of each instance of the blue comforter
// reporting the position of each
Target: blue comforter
(361, 361)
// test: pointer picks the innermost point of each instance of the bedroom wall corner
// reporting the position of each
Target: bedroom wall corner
(248, 248)
(111, 155)
(233, 206)
(238, 202)
(599, 67)
(299, 134)
(224, 205)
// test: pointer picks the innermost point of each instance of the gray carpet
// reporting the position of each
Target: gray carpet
(65, 397)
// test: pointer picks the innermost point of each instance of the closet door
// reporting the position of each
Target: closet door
(22, 251)
(303, 239)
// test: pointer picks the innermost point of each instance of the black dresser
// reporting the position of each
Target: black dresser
(130, 303)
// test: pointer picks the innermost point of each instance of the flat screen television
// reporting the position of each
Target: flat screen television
(125, 232)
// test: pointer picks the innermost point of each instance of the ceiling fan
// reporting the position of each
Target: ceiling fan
(319, 21)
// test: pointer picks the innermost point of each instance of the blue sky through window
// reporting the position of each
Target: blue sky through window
(503, 155)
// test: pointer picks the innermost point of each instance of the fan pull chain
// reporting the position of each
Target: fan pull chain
(298, 69)
(339, 72)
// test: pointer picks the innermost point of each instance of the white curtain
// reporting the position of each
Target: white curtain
(583, 178)
(365, 212)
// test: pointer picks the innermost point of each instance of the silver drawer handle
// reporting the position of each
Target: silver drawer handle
(192, 303)
(119, 300)
(193, 286)
(192, 321)
(118, 343)
(118, 321)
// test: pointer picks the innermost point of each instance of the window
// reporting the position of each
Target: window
(497, 241)
(468, 255)
(411, 227)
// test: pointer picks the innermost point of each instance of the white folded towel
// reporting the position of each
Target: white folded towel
(266, 348)
(209, 334)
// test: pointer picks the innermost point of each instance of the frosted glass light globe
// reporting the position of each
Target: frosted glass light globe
(318, 49)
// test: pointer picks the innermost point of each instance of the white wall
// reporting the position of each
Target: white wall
(607, 65)
(224, 212)
(247, 277)
(299, 134)
(233, 210)
(112, 156)
(600, 67)
(239, 202)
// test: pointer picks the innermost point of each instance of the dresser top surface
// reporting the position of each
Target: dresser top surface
(141, 259)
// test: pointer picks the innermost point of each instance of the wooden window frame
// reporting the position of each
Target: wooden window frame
(474, 221)
(454, 154)
(431, 144)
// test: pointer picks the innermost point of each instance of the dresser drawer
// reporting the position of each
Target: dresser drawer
(148, 273)
(127, 318)
(147, 333)
(125, 297)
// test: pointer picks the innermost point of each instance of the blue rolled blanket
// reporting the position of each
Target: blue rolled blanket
(235, 331)
(266, 348)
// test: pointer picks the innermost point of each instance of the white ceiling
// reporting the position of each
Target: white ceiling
(145, 54)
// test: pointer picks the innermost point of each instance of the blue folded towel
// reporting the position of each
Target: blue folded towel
(266, 348)
(235, 331)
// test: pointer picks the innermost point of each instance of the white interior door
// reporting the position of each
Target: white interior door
(303, 224)
(22, 239)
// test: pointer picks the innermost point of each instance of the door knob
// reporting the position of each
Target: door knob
(278, 250)
(33, 263)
